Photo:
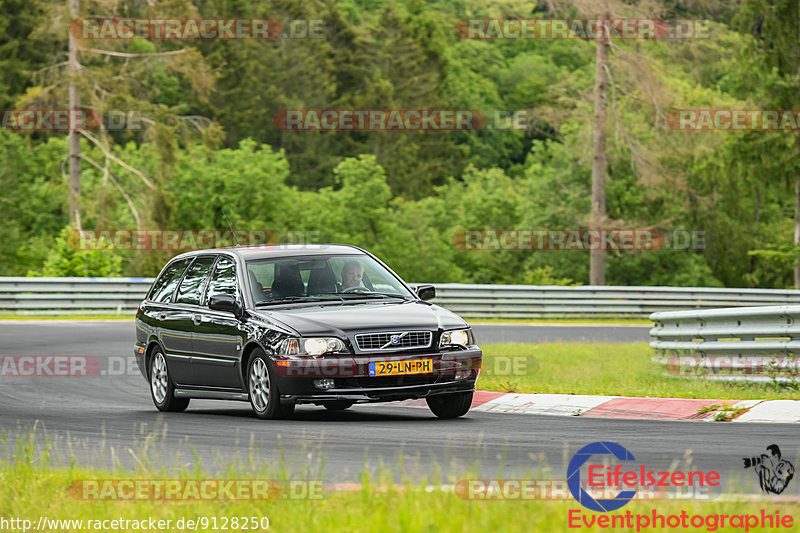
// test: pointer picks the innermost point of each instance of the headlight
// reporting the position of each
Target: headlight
(456, 337)
(312, 346)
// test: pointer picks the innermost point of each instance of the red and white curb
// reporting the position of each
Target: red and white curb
(780, 411)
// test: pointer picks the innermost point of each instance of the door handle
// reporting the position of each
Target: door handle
(196, 319)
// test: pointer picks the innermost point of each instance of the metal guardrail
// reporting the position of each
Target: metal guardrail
(753, 343)
(22, 295)
(533, 301)
(64, 296)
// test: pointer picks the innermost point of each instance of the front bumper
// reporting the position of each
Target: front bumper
(298, 377)
(391, 394)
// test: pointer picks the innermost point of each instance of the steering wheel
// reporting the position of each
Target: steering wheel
(355, 289)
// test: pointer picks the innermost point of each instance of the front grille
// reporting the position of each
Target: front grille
(402, 340)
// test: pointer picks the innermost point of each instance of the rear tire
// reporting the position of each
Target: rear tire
(263, 389)
(338, 405)
(450, 405)
(162, 390)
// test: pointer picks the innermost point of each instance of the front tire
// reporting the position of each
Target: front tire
(263, 389)
(162, 390)
(450, 405)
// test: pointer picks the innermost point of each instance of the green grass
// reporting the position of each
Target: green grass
(605, 369)
(31, 487)
(29, 494)
(369, 509)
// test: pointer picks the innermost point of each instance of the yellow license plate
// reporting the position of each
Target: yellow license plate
(394, 368)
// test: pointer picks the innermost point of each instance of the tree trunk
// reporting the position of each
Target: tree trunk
(756, 222)
(797, 232)
(597, 256)
(74, 136)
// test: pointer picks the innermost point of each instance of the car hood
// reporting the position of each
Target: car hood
(337, 320)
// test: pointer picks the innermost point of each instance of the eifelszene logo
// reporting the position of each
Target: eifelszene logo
(617, 477)
(574, 476)
(774, 473)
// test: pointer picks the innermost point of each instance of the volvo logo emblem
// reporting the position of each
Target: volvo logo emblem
(394, 339)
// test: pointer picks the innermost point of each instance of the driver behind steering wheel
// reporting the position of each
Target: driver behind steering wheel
(352, 274)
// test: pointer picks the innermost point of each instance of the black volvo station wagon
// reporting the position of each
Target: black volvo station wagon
(278, 326)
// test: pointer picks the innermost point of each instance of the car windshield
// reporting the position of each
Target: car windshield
(321, 278)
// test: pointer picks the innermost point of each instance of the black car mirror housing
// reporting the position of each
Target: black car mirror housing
(224, 302)
(426, 292)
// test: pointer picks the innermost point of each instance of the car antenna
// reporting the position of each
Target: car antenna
(235, 238)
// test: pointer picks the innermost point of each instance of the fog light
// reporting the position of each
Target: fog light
(464, 373)
(323, 383)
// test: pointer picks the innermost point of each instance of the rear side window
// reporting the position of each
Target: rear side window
(192, 284)
(223, 280)
(165, 285)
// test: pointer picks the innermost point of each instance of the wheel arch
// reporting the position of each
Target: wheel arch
(247, 352)
(152, 344)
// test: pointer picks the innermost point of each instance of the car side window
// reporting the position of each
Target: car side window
(165, 285)
(223, 280)
(192, 284)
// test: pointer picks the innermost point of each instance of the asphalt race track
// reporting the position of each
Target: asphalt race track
(109, 419)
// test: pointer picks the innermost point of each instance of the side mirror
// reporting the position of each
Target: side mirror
(426, 292)
(224, 302)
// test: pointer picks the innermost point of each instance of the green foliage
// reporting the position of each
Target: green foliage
(21, 55)
(66, 259)
(544, 276)
(248, 183)
(32, 205)
(406, 195)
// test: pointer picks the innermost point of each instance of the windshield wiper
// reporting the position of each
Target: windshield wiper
(361, 294)
(297, 299)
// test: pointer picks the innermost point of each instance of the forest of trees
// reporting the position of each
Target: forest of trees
(206, 139)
